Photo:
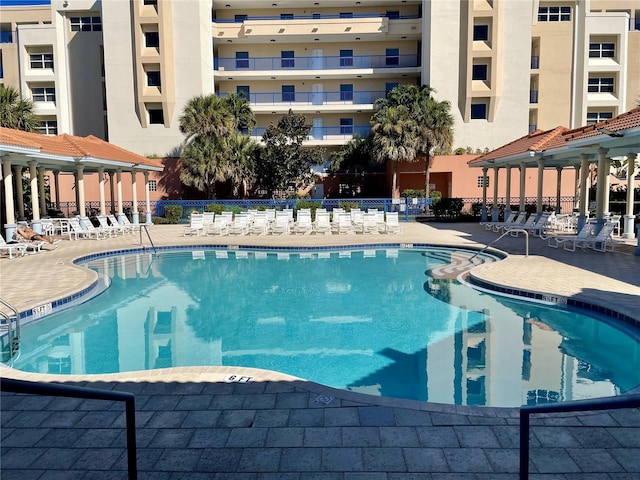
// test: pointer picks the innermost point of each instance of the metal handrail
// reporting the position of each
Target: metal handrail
(21, 386)
(507, 232)
(607, 403)
(13, 332)
(148, 236)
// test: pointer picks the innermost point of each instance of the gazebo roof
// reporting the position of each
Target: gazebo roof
(562, 147)
(65, 152)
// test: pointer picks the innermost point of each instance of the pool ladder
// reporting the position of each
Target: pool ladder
(9, 323)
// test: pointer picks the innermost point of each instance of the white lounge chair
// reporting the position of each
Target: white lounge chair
(392, 224)
(208, 218)
(600, 242)
(281, 225)
(240, 225)
(303, 224)
(112, 229)
(114, 222)
(344, 223)
(220, 225)
(81, 232)
(584, 234)
(196, 225)
(369, 223)
(322, 223)
(13, 249)
(259, 226)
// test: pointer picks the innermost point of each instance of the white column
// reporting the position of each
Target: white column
(507, 208)
(103, 206)
(35, 198)
(43, 199)
(483, 217)
(558, 189)
(17, 175)
(119, 192)
(603, 173)
(135, 218)
(523, 184)
(540, 185)
(147, 199)
(10, 227)
(584, 190)
(82, 210)
(576, 186)
(628, 218)
(495, 212)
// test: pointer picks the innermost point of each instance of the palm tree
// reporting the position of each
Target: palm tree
(242, 156)
(16, 112)
(239, 108)
(395, 138)
(204, 162)
(206, 115)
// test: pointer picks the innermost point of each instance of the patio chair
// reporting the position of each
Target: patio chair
(600, 242)
(281, 224)
(534, 225)
(113, 229)
(82, 232)
(127, 223)
(369, 223)
(196, 225)
(259, 226)
(208, 218)
(303, 224)
(12, 248)
(344, 223)
(585, 233)
(514, 221)
(220, 225)
(114, 222)
(322, 223)
(392, 224)
(240, 225)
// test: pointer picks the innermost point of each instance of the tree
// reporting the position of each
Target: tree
(395, 138)
(283, 161)
(15, 111)
(240, 110)
(354, 156)
(206, 116)
(242, 155)
(433, 118)
(203, 163)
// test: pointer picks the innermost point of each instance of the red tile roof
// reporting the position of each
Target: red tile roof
(72, 146)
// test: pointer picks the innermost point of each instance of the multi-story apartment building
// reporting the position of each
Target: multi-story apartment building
(123, 71)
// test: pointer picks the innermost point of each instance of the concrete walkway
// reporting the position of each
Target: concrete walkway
(196, 423)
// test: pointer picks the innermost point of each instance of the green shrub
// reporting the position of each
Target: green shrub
(347, 206)
(448, 207)
(160, 220)
(235, 209)
(173, 213)
(435, 196)
(412, 193)
(216, 208)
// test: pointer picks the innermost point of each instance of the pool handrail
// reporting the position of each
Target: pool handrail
(592, 404)
(57, 390)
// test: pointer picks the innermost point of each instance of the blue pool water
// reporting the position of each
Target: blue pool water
(385, 322)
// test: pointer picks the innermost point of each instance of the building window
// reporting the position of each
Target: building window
(151, 40)
(482, 180)
(346, 126)
(150, 2)
(600, 85)
(392, 57)
(243, 91)
(41, 60)
(480, 71)
(478, 111)
(554, 14)
(393, 15)
(346, 58)
(602, 50)
(48, 127)
(346, 92)
(156, 116)
(286, 16)
(481, 33)
(287, 59)
(153, 186)
(288, 93)
(346, 14)
(153, 79)
(240, 18)
(389, 86)
(242, 59)
(86, 24)
(316, 16)
(44, 94)
(597, 117)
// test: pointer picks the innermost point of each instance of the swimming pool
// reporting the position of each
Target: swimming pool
(382, 321)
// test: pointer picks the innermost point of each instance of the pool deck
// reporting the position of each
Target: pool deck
(193, 423)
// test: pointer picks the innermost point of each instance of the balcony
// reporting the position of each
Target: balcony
(533, 96)
(255, 64)
(294, 100)
(326, 135)
(315, 16)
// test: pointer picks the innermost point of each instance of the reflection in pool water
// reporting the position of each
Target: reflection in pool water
(383, 322)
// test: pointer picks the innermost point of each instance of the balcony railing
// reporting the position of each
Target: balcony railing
(316, 63)
(535, 62)
(6, 37)
(313, 98)
(321, 16)
(533, 96)
(532, 127)
(342, 132)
